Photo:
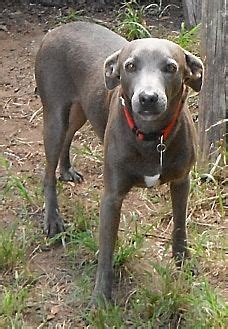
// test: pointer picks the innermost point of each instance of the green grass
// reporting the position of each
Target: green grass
(132, 22)
(80, 234)
(107, 316)
(12, 305)
(165, 299)
(188, 36)
(13, 183)
(151, 297)
(178, 299)
(189, 39)
(209, 181)
(72, 16)
(12, 248)
(14, 299)
(127, 248)
(92, 154)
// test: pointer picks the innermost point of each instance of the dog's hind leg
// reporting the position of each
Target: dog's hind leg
(55, 127)
(77, 119)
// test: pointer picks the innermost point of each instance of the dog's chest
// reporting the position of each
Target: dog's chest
(148, 176)
(151, 181)
(147, 169)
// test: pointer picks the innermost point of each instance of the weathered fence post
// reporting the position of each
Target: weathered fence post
(212, 105)
(192, 12)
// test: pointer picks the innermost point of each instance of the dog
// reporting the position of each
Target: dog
(134, 95)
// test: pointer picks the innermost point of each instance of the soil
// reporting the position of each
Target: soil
(21, 31)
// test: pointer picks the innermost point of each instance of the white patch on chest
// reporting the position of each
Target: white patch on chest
(151, 181)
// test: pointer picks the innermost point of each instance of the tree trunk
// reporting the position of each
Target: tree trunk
(192, 12)
(212, 107)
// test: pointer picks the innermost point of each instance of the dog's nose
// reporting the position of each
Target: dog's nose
(147, 100)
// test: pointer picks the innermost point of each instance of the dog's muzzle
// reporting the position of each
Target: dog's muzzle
(149, 104)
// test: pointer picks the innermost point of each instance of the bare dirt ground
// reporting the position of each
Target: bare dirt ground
(54, 298)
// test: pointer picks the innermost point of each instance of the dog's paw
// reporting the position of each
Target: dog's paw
(184, 262)
(94, 308)
(71, 175)
(53, 225)
(98, 301)
(101, 297)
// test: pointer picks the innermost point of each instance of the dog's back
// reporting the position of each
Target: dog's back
(69, 64)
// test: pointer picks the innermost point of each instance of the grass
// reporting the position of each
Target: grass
(80, 234)
(12, 248)
(106, 317)
(133, 25)
(13, 183)
(12, 305)
(14, 297)
(153, 295)
(132, 18)
(16, 278)
(189, 39)
(128, 246)
(72, 16)
(159, 297)
(167, 298)
(178, 300)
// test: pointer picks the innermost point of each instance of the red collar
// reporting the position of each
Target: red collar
(165, 132)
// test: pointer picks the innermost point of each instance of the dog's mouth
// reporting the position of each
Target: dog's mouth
(150, 115)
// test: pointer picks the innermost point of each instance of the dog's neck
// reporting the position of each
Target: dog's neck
(161, 128)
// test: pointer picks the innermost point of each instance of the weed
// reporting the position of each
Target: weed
(188, 39)
(209, 244)
(12, 248)
(73, 15)
(126, 249)
(133, 25)
(13, 182)
(207, 309)
(90, 153)
(13, 299)
(107, 316)
(83, 284)
(80, 234)
(179, 300)
(158, 9)
(200, 184)
(132, 17)
(12, 305)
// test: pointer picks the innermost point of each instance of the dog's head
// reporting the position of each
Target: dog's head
(151, 73)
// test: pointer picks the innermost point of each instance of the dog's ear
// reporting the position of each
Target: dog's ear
(111, 71)
(194, 71)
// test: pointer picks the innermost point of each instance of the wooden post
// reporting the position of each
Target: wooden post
(212, 105)
(192, 12)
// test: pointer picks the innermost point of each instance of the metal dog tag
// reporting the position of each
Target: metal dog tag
(161, 148)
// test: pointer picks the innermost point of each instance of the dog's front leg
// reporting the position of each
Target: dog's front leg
(179, 195)
(109, 223)
(117, 184)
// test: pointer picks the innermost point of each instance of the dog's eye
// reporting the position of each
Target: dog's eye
(171, 68)
(130, 67)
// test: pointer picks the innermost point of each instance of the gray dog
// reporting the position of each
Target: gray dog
(134, 95)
